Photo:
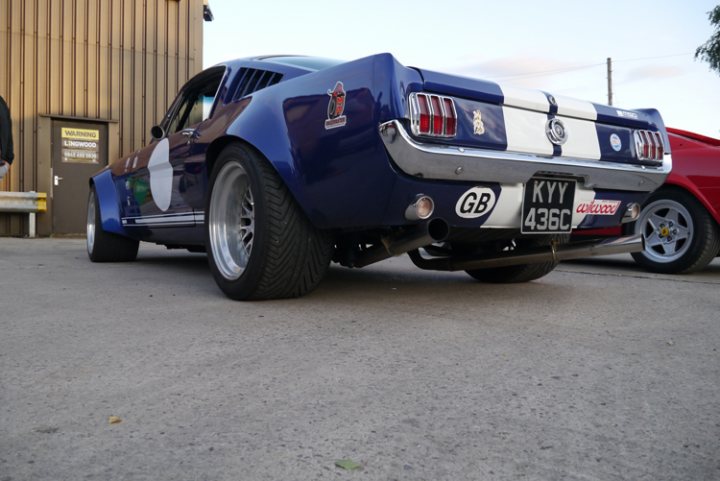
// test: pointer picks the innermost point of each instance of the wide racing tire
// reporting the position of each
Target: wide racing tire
(260, 245)
(105, 246)
(680, 235)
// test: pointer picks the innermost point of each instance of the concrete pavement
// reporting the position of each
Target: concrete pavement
(599, 371)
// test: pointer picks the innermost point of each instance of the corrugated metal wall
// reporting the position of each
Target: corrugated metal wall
(120, 60)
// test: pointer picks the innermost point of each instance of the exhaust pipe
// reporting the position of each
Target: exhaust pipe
(618, 245)
(425, 234)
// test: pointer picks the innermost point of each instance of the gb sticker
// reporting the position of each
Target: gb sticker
(475, 203)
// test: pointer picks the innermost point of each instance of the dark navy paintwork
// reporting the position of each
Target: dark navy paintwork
(625, 198)
(463, 87)
(109, 211)
(341, 178)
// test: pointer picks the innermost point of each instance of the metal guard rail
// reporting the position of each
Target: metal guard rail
(25, 203)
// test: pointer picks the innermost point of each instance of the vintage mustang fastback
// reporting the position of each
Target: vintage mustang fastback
(278, 165)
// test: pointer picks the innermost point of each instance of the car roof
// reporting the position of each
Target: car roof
(296, 64)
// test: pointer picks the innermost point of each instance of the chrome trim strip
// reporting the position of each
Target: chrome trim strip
(654, 142)
(414, 114)
(433, 114)
(414, 102)
(443, 162)
(182, 218)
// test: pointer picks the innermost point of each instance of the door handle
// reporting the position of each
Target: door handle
(189, 134)
(57, 179)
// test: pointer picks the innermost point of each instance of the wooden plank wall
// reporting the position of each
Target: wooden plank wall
(121, 60)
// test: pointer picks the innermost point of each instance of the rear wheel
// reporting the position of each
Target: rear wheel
(680, 235)
(104, 246)
(259, 243)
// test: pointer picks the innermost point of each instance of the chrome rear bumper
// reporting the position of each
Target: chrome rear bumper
(435, 161)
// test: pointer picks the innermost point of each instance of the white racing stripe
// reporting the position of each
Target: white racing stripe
(507, 208)
(582, 140)
(525, 131)
(570, 107)
(525, 98)
(525, 113)
(581, 195)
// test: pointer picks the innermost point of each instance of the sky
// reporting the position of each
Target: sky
(559, 46)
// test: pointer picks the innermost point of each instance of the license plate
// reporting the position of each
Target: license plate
(548, 206)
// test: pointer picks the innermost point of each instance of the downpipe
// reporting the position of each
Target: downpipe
(422, 235)
(552, 253)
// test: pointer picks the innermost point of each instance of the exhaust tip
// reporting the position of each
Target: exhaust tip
(422, 208)
(632, 212)
(438, 230)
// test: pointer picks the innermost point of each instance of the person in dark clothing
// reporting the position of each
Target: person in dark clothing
(6, 141)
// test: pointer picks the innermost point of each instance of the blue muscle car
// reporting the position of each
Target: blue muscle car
(277, 166)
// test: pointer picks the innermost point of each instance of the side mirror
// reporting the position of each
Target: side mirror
(157, 132)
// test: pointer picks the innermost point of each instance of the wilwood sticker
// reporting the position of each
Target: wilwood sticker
(598, 207)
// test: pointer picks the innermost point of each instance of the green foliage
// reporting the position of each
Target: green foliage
(710, 50)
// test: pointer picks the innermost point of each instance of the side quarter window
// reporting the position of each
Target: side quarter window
(195, 101)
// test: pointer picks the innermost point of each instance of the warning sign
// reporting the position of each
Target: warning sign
(81, 134)
(80, 145)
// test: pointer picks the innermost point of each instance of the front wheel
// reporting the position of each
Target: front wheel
(680, 235)
(260, 244)
(104, 246)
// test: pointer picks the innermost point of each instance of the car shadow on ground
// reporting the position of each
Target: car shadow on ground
(176, 260)
(390, 277)
(398, 276)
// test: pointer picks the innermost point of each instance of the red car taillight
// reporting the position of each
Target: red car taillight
(433, 115)
(649, 145)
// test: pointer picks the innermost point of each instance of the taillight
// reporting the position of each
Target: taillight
(433, 115)
(660, 145)
(450, 117)
(648, 145)
(424, 115)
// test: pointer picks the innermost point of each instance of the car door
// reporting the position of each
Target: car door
(166, 182)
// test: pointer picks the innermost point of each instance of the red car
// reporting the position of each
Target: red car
(680, 222)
